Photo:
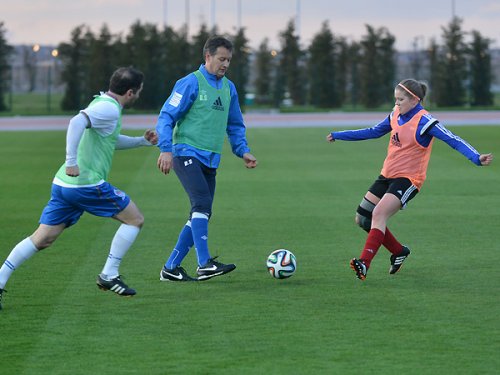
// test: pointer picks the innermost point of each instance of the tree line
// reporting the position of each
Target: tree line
(332, 72)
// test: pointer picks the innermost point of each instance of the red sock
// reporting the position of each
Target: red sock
(372, 244)
(391, 243)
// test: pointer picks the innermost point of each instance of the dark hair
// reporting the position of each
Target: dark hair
(215, 42)
(418, 88)
(124, 79)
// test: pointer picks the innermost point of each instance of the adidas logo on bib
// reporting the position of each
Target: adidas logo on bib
(218, 105)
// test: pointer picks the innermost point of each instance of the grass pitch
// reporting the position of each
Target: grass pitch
(439, 315)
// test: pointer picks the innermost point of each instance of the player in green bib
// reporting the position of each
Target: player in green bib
(80, 183)
(201, 110)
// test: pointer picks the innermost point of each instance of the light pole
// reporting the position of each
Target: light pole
(33, 67)
(212, 15)
(11, 87)
(297, 18)
(54, 53)
(238, 15)
(164, 14)
(186, 6)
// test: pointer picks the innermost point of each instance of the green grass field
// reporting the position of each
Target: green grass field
(439, 315)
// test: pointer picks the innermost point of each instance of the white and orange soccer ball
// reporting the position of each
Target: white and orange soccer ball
(281, 264)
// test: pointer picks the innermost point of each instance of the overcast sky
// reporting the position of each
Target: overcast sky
(51, 21)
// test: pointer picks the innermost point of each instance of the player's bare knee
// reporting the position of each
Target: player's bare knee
(43, 243)
(379, 214)
(131, 216)
(138, 220)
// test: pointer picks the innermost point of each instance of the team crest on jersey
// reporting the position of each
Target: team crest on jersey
(120, 194)
(395, 140)
(218, 104)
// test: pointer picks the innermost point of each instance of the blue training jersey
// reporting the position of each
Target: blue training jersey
(428, 127)
(178, 104)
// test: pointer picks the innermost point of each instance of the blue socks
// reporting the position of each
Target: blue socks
(182, 247)
(195, 232)
(199, 227)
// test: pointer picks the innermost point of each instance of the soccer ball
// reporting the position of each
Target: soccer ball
(281, 264)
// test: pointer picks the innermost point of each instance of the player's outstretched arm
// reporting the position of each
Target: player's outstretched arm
(124, 142)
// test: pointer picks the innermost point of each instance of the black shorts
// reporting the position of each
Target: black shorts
(400, 187)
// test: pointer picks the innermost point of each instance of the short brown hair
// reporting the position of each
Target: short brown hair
(215, 42)
(124, 79)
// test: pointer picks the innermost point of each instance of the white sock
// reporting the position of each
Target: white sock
(19, 254)
(123, 239)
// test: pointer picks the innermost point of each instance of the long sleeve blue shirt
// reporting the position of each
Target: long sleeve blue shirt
(177, 106)
(428, 127)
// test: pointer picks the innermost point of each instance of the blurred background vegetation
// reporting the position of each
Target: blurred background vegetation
(332, 73)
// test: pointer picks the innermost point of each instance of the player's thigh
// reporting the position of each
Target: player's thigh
(386, 207)
(403, 189)
(377, 190)
(369, 196)
(59, 210)
(190, 173)
(210, 176)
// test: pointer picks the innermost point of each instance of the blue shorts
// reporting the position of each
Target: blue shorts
(66, 205)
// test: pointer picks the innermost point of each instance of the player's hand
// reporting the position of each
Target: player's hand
(151, 136)
(486, 159)
(330, 138)
(249, 159)
(73, 171)
(165, 162)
